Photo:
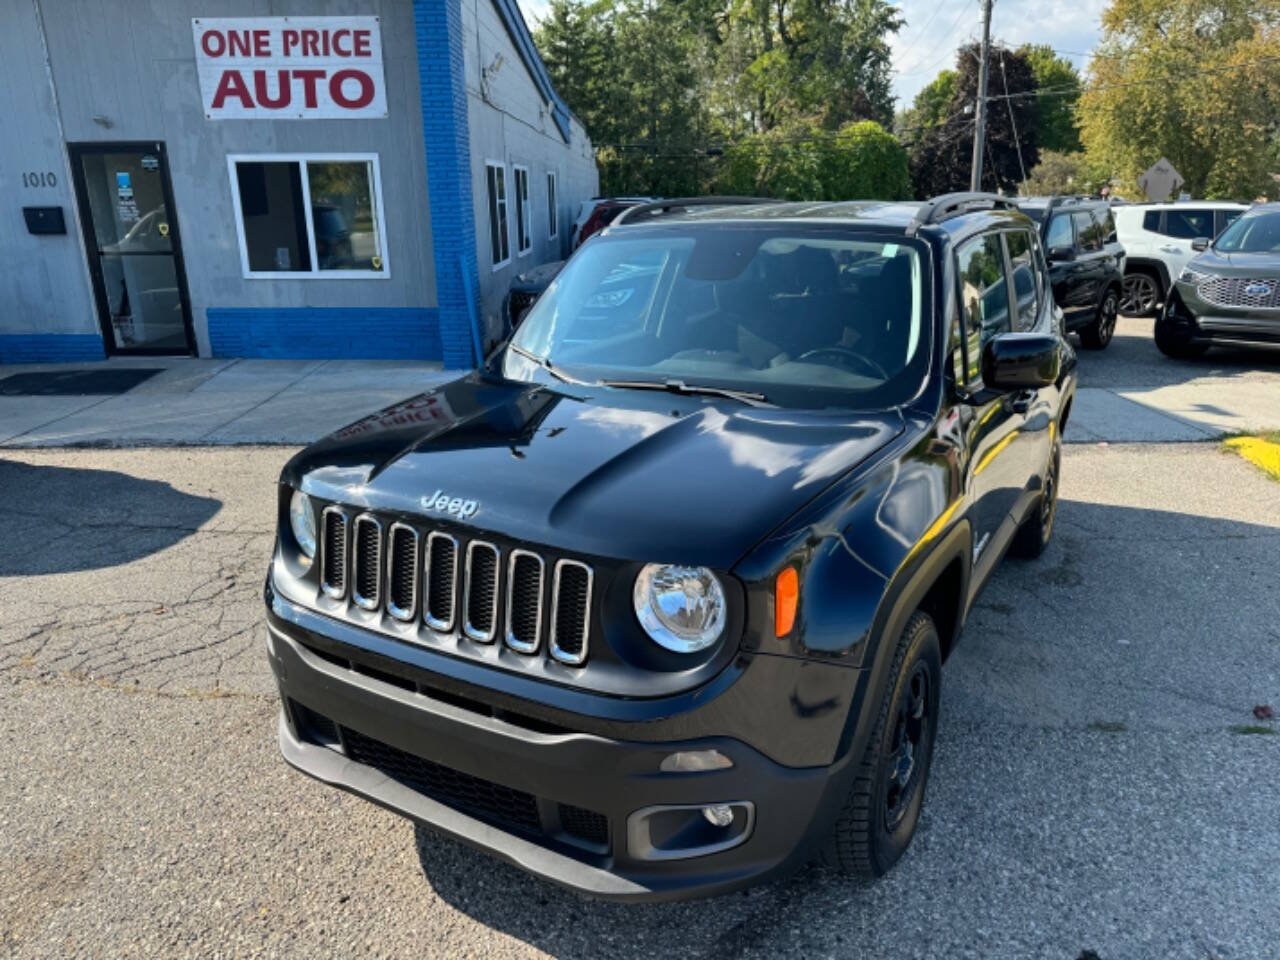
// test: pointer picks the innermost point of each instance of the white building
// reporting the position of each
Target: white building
(343, 178)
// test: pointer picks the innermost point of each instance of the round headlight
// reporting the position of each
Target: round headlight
(302, 520)
(681, 608)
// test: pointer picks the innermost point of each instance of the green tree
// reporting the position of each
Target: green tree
(933, 104)
(1063, 173)
(942, 155)
(1196, 81)
(1058, 84)
(859, 161)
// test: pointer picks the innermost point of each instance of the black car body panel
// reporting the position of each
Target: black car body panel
(558, 767)
(1085, 259)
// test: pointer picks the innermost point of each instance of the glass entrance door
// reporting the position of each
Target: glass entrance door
(126, 209)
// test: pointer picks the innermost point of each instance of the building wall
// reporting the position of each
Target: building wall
(46, 302)
(510, 122)
(125, 70)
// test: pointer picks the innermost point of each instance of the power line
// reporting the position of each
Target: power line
(923, 30)
(945, 37)
(1073, 89)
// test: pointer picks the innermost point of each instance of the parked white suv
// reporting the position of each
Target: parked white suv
(1157, 240)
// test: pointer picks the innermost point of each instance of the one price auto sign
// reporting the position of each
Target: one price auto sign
(298, 68)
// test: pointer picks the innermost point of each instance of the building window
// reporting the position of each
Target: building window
(523, 242)
(496, 176)
(553, 221)
(309, 216)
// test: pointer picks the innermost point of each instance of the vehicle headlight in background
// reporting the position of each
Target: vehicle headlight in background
(1194, 277)
(302, 520)
(681, 608)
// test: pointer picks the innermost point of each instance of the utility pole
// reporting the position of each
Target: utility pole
(980, 126)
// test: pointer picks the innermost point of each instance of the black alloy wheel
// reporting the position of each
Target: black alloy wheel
(912, 732)
(1139, 295)
(1098, 334)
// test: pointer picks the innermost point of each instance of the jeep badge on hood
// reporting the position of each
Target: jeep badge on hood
(441, 502)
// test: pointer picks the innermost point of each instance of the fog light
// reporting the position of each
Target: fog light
(718, 815)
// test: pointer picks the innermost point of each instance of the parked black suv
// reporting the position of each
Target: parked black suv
(1086, 263)
(655, 603)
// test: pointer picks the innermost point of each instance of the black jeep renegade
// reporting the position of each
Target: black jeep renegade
(654, 604)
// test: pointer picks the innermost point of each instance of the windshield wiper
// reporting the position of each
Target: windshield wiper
(749, 397)
(548, 366)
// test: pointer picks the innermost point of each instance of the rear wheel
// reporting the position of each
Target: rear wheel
(879, 818)
(1098, 334)
(1033, 536)
(1139, 294)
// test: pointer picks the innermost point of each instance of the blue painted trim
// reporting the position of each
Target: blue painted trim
(443, 89)
(518, 30)
(50, 348)
(397, 333)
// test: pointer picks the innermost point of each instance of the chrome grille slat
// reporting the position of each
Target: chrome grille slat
(524, 601)
(440, 581)
(571, 611)
(402, 571)
(480, 593)
(333, 552)
(1230, 292)
(366, 561)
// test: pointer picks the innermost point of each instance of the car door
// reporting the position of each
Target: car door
(994, 474)
(1092, 258)
(1182, 226)
(1065, 275)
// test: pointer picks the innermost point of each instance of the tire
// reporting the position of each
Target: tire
(1173, 343)
(1098, 334)
(1034, 534)
(1140, 293)
(879, 817)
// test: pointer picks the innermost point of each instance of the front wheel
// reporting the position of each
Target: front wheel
(879, 817)
(1098, 334)
(1175, 343)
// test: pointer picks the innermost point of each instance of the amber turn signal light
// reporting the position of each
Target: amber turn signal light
(786, 594)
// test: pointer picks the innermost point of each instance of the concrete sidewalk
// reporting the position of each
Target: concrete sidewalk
(198, 401)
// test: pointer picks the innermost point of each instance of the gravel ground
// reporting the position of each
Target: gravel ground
(1093, 788)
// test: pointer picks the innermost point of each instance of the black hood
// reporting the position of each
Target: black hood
(631, 474)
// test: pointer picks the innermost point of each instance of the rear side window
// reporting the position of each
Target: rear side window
(1151, 221)
(1106, 225)
(1088, 233)
(1022, 267)
(1188, 224)
(984, 296)
(1060, 234)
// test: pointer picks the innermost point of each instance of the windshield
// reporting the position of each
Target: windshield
(1252, 233)
(804, 317)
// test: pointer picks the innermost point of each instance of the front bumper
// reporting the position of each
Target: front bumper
(500, 782)
(1198, 320)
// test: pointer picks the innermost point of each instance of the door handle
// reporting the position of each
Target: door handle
(1021, 401)
(1170, 250)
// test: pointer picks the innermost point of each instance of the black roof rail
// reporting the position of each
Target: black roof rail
(951, 204)
(1073, 198)
(659, 207)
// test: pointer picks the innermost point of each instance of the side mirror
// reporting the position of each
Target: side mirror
(1200, 244)
(1020, 361)
(1061, 254)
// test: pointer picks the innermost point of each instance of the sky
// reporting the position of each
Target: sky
(934, 29)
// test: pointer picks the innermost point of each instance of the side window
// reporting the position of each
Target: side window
(1106, 225)
(1060, 234)
(1086, 231)
(499, 245)
(1151, 221)
(984, 296)
(1025, 287)
(1226, 218)
(1189, 224)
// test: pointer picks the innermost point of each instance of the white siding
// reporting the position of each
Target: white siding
(509, 121)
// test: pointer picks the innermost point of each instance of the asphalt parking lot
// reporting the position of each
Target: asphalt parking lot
(1100, 783)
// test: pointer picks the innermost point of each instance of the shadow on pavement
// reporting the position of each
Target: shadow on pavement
(62, 520)
(1078, 658)
(1132, 360)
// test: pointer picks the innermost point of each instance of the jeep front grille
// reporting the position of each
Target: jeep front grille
(366, 562)
(440, 582)
(333, 553)
(473, 587)
(571, 611)
(1233, 292)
